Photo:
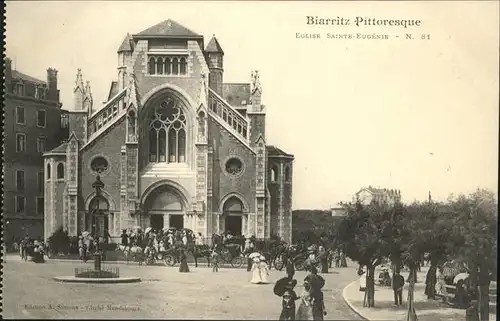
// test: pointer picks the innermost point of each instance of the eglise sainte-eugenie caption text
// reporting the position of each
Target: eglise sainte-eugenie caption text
(362, 21)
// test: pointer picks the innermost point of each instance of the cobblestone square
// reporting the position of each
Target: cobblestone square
(30, 292)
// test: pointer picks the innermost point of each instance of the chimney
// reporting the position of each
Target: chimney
(8, 74)
(52, 91)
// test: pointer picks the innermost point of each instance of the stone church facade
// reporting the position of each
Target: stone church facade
(173, 146)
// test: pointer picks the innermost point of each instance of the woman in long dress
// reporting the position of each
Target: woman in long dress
(256, 276)
(305, 310)
(184, 266)
(264, 270)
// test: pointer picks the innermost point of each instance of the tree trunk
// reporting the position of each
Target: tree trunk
(484, 294)
(370, 286)
(411, 314)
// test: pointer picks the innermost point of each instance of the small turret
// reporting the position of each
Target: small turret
(124, 56)
(214, 56)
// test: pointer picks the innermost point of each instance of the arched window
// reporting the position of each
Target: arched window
(162, 145)
(167, 134)
(159, 66)
(181, 137)
(183, 66)
(60, 171)
(168, 66)
(48, 171)
(287, 174)
(152, 66)
(274, 174)
(153, 145)
(175, 66)
(172, 145)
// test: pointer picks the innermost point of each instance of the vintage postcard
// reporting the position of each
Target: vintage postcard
(250, 160)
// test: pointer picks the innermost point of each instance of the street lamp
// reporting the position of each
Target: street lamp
(98, 185)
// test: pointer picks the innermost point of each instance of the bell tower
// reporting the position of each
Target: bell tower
(215, 60)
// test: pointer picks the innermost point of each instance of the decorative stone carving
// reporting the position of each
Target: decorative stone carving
(256, 82)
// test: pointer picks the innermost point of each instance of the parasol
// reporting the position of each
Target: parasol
(284, 284)
(85, 233)
(460, 277)
(254, 255)
(148, 230)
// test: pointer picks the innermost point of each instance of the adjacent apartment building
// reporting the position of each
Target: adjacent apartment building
(375, 194)
(32, 125)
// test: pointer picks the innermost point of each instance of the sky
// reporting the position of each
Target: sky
(414, 115)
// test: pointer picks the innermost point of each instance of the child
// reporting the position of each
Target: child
(288, 301)
(215, 260)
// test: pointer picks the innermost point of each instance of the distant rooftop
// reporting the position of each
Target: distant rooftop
(168, 29)
(275, 151)
(19, 75)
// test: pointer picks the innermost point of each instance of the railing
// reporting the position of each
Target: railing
(228, 114)
(106, 114)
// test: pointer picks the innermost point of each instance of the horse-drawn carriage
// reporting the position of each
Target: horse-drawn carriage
(33, 250)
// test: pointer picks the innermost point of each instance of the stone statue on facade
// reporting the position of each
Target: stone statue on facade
(256, 81)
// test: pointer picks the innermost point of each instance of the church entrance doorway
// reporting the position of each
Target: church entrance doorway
(176, 221)
(233, 219)
(156, 222)
(165, 208)
(234, 225)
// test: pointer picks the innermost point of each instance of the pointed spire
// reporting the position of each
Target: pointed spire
(126, 44)
(214, 46)
(79, 81)
(88, 91)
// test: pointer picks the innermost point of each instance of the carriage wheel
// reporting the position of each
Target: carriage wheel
(169, 260)
(299, 265)
(278, 263)
(237, 261)
(150, 260)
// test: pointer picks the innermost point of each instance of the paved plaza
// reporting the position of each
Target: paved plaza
(30, 292)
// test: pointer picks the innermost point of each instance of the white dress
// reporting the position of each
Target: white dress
(362, 281)
(256, 278)
(264, 272)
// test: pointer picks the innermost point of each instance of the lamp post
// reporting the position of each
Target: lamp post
(98, 186)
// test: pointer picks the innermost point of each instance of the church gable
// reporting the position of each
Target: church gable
(233, 168)
(102, 157)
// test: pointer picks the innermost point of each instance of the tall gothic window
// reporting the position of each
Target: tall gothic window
(159, 66)
(175, 66)
(167, 134)
(183, 66)
(152, 66)
(168, 66)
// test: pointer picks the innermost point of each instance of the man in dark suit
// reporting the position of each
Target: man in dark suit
(398, 283)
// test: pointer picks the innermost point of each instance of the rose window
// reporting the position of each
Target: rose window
(234, 166)
(99, 165)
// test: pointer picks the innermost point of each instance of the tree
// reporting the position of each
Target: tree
(476, 221)
(365, 237)
(59, 241)
(310, 226)
(416, 232)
